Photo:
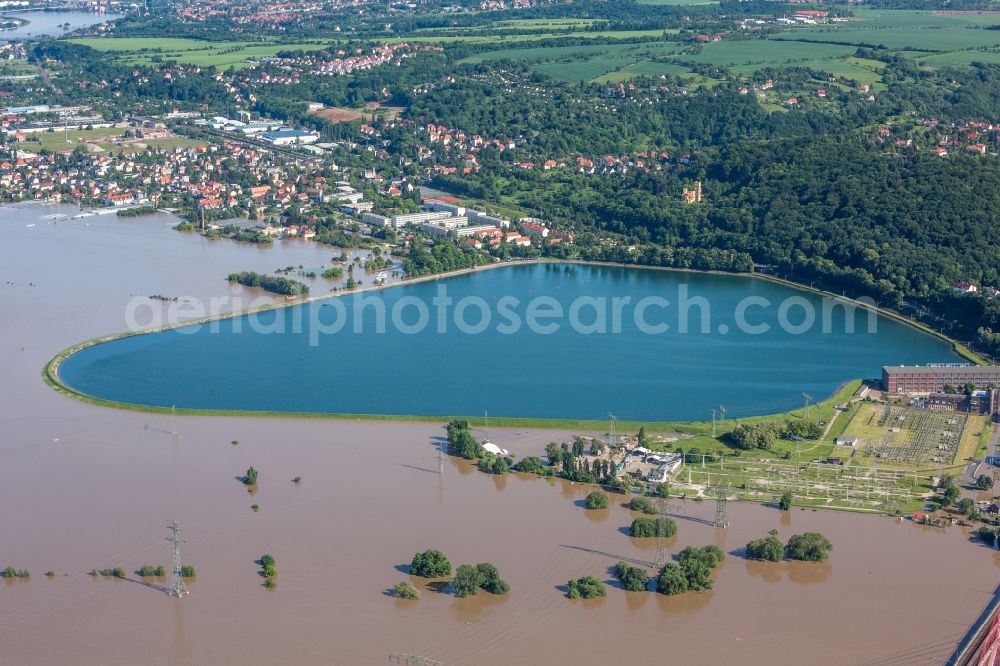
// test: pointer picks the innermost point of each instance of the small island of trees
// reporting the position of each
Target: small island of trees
(597, 499)
(807, 547)
(586, 587)
(430, 564)
(272, 283)
(643, 527)
(632, 578)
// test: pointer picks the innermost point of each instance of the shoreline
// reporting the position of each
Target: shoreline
(50, 371)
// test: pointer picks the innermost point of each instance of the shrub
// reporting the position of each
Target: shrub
(405, 590)
(984, 482)
(769, 548)
(250, 478)
(430, 564)
(643, 504)
(490, 579)
(187, 571)
(531, 464)
(698, 574)
(586, 587)
(266, 559)
(711, 556)
(269, 571)
(598, 499)
(671, 580)
(986, 533)
(269, 583)
(632, 578)
(785, 501)
(808, 546)
(467, 580)
(651, 527)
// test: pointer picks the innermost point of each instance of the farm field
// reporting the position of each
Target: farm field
(648, 68)
(760, 53)
(959, 58)
(140, 50)
(912, 39)
(905, 18)
(678, 2)
(587, 63)
(493, 38)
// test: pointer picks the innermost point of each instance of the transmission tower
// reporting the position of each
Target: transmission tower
(665, 509)
(722, 410)
(173, 420)
(441, 459)
(713, 423)
(805, 407)
(177, 588)
(661, 535)
(721, 517)
(612, 436)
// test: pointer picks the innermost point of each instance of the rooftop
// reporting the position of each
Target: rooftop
(942, 369)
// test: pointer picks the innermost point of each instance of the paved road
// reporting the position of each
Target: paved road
(976, 468)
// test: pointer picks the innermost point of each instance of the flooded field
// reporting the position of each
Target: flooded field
(86, 487)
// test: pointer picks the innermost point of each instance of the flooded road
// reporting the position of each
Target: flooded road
(85, 487)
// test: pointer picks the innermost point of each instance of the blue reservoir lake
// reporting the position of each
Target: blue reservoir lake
(748, 345)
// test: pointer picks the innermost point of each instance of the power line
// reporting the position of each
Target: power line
(177, 588)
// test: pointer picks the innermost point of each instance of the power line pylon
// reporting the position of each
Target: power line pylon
(805, 408)
(612, 436)
(177, 588)
(721, 517)
(661, 535)
(665, 508)
(713, 423)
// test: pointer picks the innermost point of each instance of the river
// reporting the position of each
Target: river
(87, 487)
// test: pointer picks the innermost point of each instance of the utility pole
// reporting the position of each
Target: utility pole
(177, 588)
(713, 423)
(441, 459)
(173, 420)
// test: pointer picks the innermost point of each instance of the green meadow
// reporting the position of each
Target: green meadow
(142, 51)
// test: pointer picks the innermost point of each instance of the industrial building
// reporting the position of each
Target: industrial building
(927, 379)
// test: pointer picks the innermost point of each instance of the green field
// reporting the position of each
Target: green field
(920, 19)
(142, 50)
(912, 39)
(647, 68)
(582, 63)
(959, 58)
(763, 53)
(57, 141)
(678, 2)
(494, 38)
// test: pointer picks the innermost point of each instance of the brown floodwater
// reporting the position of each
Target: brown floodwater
(85, 487)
